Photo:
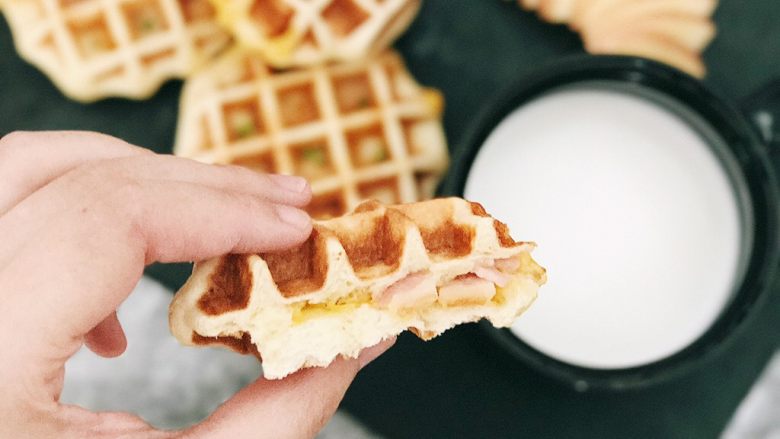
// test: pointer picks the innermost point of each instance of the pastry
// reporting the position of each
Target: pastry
(356, 131)
(292, 33)
(357, 280)
(92, 49)
(674, 32)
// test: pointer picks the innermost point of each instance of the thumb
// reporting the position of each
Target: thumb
(296, 407)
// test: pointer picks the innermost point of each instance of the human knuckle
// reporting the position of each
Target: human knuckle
(126, 194)
(105, 171)
(122, 204)
(90, 175)
(115, 193)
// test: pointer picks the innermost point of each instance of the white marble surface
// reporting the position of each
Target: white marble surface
(169, 385)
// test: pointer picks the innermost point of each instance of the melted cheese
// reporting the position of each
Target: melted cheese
(529, 267)
(354, 300)
(350, 302)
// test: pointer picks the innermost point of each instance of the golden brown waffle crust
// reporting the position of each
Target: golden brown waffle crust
(52, 36)
(366, 251)
(293, 33)
(403, 117)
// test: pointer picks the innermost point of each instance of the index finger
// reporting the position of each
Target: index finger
(28, 161)
(95, 252)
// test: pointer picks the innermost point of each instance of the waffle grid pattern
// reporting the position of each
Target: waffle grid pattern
(241, 113)
(332, 294)
(97, 48)
(304, 32)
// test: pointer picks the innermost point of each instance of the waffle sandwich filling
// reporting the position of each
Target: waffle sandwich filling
(357, 280)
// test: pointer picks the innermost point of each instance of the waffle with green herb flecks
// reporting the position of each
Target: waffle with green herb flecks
(92, 49)
(356, 131)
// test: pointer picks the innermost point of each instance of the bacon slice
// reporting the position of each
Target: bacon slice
(493, 275)
(415, 290)
(419, 289)
(467, 290)
(508, 265)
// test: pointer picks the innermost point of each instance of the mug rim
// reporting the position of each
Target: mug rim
(740, 138)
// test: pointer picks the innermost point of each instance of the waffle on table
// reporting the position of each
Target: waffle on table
(671, 31)
(305, 32)
(356, 131)
(98, 48)
(336, 293)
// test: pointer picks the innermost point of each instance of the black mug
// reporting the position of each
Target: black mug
(749, 152)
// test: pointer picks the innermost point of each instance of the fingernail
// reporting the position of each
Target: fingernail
(370, 354)
(289, 182)
(292, 216)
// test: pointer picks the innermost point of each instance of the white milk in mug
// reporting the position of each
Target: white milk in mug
(635, 217)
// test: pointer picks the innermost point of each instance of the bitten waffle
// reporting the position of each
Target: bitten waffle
(93, 49)
(671, 31)
(358, 131)
(357, 280)
(302, 33)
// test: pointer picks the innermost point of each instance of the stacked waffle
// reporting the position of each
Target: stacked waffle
(358, 130)
(358, 279)
(303, 33)
(92, 49)
(284, 86)
(312, 90)
(671, 31)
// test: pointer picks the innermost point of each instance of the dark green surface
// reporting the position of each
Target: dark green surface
(462, 385)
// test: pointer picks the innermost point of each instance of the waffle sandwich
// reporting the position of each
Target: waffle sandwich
(671, 31)
(302, 33)
(357, 280)
(93, 49)
(357, 131)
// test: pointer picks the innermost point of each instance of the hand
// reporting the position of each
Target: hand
(81, 215)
